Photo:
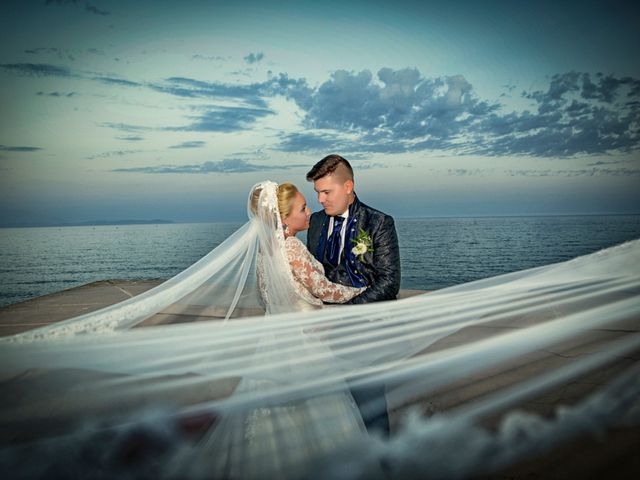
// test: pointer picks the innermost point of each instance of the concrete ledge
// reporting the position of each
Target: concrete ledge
(65, 304)
(72, 302)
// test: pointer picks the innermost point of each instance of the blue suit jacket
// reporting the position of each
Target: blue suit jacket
(378, 270)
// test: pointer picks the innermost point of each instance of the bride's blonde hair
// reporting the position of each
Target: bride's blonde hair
(286, 193)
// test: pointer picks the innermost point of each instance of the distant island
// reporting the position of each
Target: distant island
(95, 223)
(89, 223)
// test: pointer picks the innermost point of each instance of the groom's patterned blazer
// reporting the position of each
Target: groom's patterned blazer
(378, 270)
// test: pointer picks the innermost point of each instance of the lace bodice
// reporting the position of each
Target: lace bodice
(309, 280)
(310, 287)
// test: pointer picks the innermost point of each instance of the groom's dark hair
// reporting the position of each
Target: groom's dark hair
(328, 165)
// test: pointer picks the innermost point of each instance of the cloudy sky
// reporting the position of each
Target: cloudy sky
(113, 109)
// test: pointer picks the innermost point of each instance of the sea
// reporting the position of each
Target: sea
(435, 252)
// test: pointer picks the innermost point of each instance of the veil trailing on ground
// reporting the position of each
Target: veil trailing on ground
(473, 373)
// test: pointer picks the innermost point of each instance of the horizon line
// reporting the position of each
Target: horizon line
(159, 221)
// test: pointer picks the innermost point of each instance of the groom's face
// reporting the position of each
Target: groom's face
(334, 195)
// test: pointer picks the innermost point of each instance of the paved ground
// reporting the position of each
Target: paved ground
(58, 306)
(614, 455)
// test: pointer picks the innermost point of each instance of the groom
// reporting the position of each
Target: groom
(358, 246)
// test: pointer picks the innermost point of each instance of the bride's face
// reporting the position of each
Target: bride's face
(298, 218)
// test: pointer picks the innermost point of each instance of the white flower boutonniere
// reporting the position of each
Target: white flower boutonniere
(363, 245)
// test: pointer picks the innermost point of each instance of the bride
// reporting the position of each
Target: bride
(283, 439)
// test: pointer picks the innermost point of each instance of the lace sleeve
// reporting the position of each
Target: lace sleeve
(310, 273)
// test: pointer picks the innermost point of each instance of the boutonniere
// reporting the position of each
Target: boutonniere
(363, 245)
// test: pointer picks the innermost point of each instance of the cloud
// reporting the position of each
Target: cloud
(117, 81)
(465, 172)
(600, 162)
(321, 143)
(38, 70)
(397, 112)
(87, 6)
(191, 88)
(252, 93)
(60, 53)
(48, 70)
(224, 119)
(57, 94)
(126, 127)
(401, 111)
(114, 153)
(190, 144)
(623, 172)
(224, 166)
(39, 50)
(290, 88)
(309, 142)
(211, 119)
(247, 72)
(198, 56)
(95, 10)
(547, 172)
(575, 115)
(584, 172)
(254, 57)
(251, 98)
(64, 54)
(401, 103)
(7, 148)
(606, 87)
(131, 138)
(369, 165)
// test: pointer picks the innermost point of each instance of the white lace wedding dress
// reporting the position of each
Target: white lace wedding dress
(309, 280)
(283, 439)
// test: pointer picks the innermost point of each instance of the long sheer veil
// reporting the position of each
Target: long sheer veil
(468, 369)
(221, 284)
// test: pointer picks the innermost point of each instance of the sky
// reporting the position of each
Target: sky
(113, 110)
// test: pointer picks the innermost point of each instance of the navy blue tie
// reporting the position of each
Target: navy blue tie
(334, 241)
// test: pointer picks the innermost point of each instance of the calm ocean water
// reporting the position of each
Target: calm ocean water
(435, 252)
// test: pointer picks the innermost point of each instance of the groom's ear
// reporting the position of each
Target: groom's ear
(349, 186)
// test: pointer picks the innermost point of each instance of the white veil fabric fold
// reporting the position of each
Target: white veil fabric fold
(467, 369)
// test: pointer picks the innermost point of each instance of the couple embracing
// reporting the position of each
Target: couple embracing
(351, 257)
